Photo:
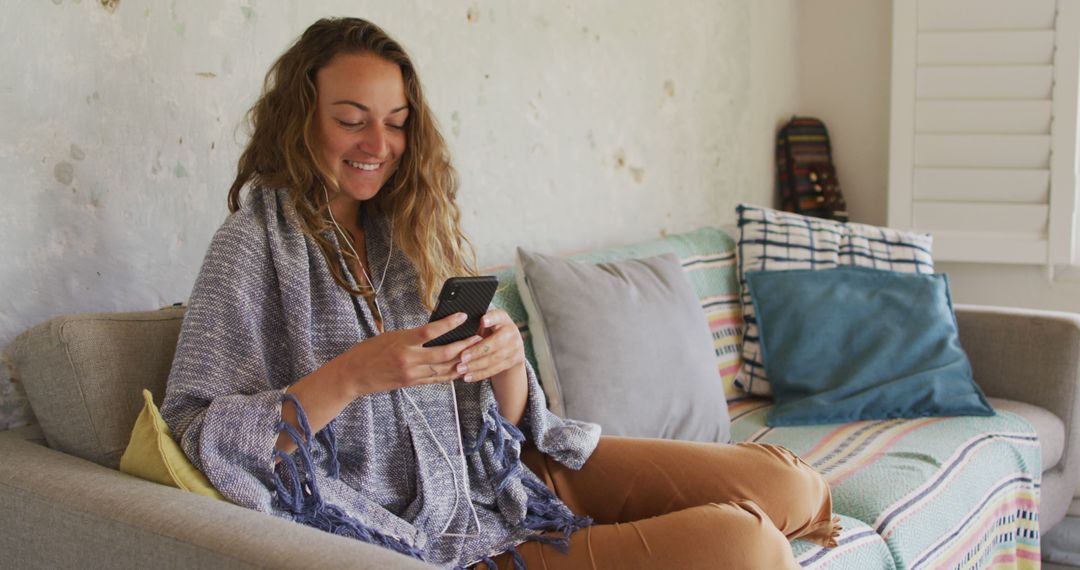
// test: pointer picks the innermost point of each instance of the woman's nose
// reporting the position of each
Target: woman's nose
(373, 141)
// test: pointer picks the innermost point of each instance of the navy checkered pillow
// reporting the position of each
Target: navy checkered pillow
(774, 240)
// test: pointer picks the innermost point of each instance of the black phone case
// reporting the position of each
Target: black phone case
(469, 295)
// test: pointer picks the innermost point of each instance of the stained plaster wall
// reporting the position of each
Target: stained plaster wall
(573, 125)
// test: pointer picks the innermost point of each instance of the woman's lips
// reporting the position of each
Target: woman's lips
(364, 166)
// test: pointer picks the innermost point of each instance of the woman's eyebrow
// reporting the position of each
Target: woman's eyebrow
(365, 108)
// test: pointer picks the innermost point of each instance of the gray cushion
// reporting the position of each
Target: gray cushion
(84, 375)
(625, 345)
(1049, 428)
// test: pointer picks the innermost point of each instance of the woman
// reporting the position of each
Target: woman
(301, 388)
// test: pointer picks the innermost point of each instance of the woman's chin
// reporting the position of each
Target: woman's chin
(360, 192)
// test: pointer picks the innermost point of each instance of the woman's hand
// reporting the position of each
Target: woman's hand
(390, 360)
(500, 357)
(502, 348)
(398, 358)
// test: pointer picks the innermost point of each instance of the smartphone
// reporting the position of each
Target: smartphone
(469, 295)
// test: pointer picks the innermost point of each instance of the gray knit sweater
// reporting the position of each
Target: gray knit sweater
(265, 312)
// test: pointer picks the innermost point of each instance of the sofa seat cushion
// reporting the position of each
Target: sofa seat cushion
(857, 548)
(940, 491)
(1049, 427)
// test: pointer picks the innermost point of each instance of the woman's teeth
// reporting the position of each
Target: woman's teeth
(363, 165)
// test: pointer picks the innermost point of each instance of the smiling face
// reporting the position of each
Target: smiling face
(360, 121)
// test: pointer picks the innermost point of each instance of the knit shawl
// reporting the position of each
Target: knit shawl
(265, 312)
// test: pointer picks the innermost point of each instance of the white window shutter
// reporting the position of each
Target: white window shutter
(980, 104)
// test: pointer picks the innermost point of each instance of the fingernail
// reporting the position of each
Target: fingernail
(466, 357)
(461, 368)
(460, 317)
(468, 378)
(485, 321)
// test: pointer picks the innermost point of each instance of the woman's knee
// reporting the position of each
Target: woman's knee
(797, 497)
(786, 473)
(755, 541)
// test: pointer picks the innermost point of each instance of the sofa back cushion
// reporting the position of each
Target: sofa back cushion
(624, 344)
(770, 240)
(83, 376)
(853, 343)
(707, 256)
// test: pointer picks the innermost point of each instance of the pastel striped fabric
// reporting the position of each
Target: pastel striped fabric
(857, 548)
(774, 240)
(959, 492)
(708, 259)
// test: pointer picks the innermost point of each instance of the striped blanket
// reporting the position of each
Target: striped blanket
(940, 492)
(857, 548)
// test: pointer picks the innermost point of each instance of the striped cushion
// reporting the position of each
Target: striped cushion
(774, 240)
(708, 259)
(957, 492)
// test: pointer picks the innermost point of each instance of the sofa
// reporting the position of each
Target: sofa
(924, 492)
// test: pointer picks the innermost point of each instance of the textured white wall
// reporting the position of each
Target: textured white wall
(573, 125)
(844, 81)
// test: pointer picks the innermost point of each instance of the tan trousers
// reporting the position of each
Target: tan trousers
(675, 504)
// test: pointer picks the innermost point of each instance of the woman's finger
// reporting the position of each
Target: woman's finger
(499, 337)
(500, 349)
(483, 348)
(450, 352)
(434, 373)
(435, 329)
(490, 365)
(495, 317)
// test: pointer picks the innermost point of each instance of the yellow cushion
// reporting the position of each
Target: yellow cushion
(152, 454)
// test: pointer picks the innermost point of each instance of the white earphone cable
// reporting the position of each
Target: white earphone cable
(341, 232)
(453, 391)
(453, 471)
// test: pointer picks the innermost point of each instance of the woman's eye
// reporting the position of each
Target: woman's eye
(350, 125)
(397, 127)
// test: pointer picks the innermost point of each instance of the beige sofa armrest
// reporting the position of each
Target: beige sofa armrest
(1025, 355)
(1029, 356)
(59, 511)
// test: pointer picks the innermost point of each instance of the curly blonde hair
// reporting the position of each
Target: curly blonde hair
(419, 197)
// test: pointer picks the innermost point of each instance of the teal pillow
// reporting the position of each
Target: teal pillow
(853, 343)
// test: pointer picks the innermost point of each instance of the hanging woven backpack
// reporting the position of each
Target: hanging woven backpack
(805, 175)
